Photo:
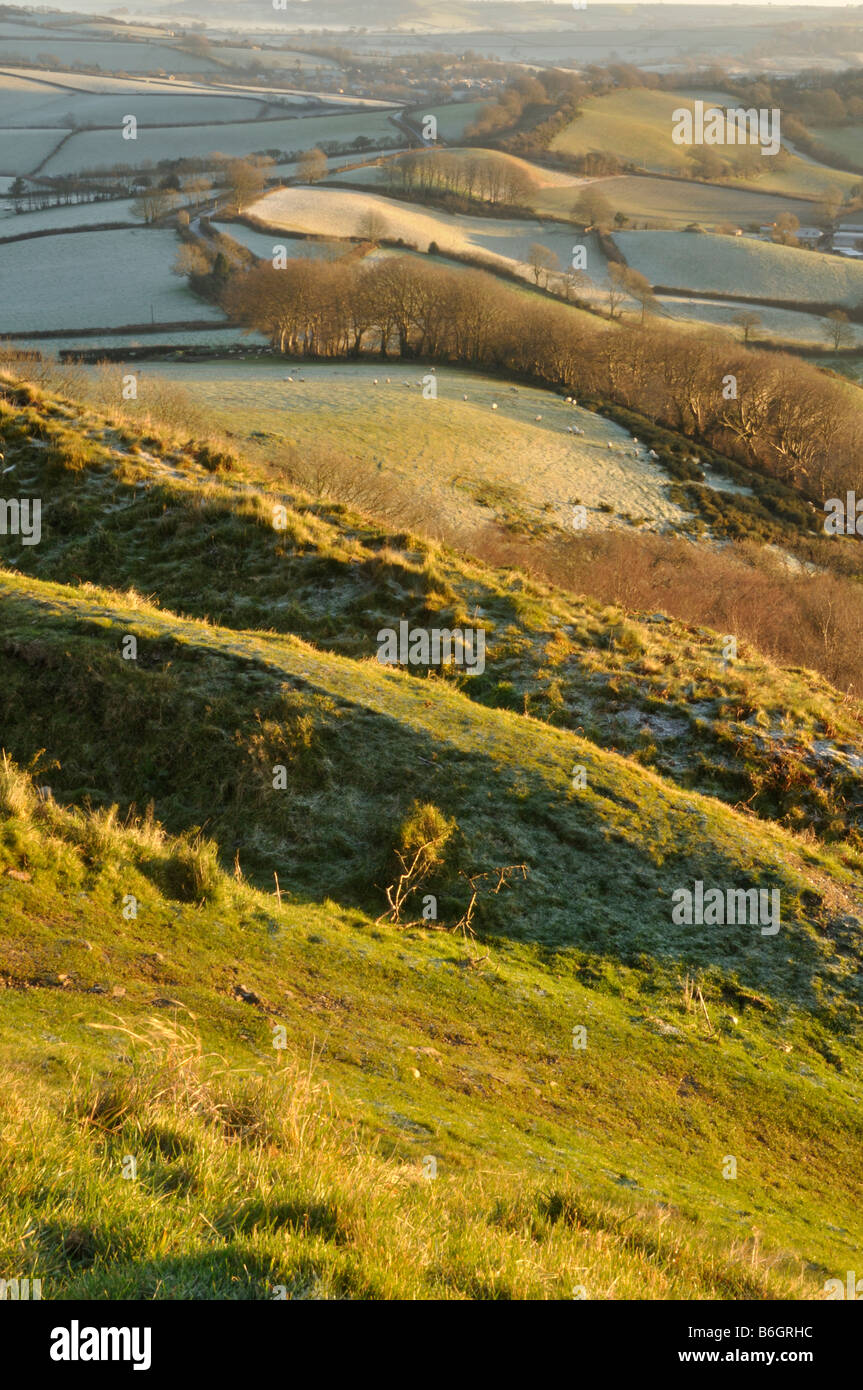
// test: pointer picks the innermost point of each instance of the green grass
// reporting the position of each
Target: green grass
(152, 1035)
(203, 545)
(636, 126)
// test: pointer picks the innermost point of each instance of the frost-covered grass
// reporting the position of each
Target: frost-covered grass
(487, 455)
(113, 56)
(777, 325)
(109, 108)
(497, 242)
(22, 151)
(741, 266)
(263, 243)
(94, 149)
(96, 280)
(70, 215)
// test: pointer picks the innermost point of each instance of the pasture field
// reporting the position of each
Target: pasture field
(109, 54)
(846, 141)
(636, 125)
(279, 59)
(100, 149)
(119, 277)
(472, 462)
(497, 242)
(22, 151)
(777, 325)
(741, 266)
(72, 215)
(677, 202)
(452, 119)
(262, 243)
(109, 109)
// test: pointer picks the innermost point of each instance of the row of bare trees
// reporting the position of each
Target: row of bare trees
(768, 410)
(488, 178)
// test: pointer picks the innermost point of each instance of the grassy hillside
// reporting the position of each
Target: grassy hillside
(140, 513)
(558, 1168)
(636, 125)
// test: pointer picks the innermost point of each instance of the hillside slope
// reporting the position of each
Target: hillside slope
(144, 980)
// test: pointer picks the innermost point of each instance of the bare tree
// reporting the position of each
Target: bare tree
(837, 330)
(748, 320)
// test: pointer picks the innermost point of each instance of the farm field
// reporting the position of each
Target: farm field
(99, 149)
(262, 243)
(741, 266)
(472, 462)
(452, 119)
(24, 150)
(109, 54)
(777, 325)
(636, 125)
(120, 277)
(71, 215)
(343, 212)
(281, 60)
(677, 202)
(109, 108)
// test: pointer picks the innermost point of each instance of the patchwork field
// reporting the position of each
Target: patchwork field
(472, 461)
(100, 149)
(741, 266)
(120, 277)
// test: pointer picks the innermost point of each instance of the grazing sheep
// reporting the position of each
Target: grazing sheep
(288, 378)
(494, 405)
(539, 417)
(464, 398)
(569, 400)
(375, 382)
(610, 445)
(389, 379)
